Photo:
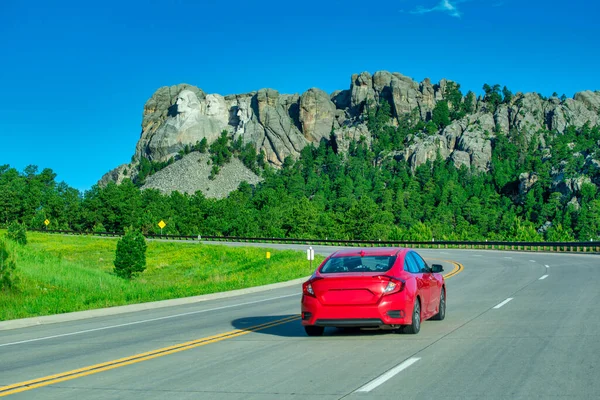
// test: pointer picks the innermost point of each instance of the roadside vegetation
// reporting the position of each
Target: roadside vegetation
(58, 274)
(363, 192)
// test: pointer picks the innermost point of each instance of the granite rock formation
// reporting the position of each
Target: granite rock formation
(281, 125)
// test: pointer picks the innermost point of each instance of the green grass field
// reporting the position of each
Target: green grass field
(58, 274)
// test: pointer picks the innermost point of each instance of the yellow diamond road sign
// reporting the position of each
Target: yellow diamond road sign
(162, 224)
(46, 222)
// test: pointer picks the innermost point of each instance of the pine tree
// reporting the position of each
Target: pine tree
(16, 232)
(130, 256)
(8, 279)
(441, 114)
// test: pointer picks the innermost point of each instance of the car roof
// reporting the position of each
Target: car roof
(370, 251)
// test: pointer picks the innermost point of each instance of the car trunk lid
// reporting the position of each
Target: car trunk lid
(350, 289)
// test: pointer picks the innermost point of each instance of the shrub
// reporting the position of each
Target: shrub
(17, 233)
(214, 172)
(130, 256)
(98, 227)
(7, 267)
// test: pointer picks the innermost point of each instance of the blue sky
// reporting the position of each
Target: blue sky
(75, 74)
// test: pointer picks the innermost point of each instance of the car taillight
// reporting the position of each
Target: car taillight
(393, 286)
(307, 288)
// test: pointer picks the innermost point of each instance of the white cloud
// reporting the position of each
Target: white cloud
(445, 6)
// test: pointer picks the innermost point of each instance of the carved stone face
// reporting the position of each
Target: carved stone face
(186, 102)
(215, 106)
(243, 113)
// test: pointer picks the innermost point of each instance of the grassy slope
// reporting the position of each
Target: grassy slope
(60, 274)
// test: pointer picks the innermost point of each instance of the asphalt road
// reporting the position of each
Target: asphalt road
(518, 326)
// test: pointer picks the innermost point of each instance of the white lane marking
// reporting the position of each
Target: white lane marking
(510, 258)
(547, 266)
(532, 260)
(146, 320)
(543, 277)
(503, 303)
(388, 375)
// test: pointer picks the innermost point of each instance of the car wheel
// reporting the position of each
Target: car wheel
(442, 311)
(312, 330)
(415, 327)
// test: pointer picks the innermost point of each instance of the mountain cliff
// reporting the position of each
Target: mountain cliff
(443, 122)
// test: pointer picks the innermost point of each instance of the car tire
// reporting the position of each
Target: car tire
(415, 326)
(312, 330)
(442, 310)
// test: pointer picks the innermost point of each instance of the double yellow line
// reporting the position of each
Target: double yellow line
(94, 369)
(458, 267)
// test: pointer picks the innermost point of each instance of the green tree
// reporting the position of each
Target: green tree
(420, 232)
(492, 96)
(130, 256)
(588, 221)
(431, 128)
(248, 156)
(441, 114)
(220, 152)
(17, 233)
(8, 266)
(378, 116)
(559, 234)
(507, 95)
(453, 95)
(526, 232)
(201, 146)
(120, 205)
(470, 102)
(366, 221)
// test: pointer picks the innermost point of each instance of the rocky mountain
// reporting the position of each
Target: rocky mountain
(281, 125)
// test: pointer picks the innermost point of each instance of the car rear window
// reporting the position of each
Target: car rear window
(358, 264)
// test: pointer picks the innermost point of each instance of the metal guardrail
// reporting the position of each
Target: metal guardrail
(586, 247)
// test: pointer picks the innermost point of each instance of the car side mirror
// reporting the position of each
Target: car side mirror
(437, 268)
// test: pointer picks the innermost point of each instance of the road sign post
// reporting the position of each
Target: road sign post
(161, 225)
(310, 255)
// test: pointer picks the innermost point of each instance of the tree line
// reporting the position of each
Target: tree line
(364, 193)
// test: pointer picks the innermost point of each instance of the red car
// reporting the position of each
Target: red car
(373, 288)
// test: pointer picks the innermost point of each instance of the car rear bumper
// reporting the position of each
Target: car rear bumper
(353, 322)
(393, 310)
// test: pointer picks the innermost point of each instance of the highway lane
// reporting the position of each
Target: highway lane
(542, 343)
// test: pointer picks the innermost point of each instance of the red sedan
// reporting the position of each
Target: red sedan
(373, 288)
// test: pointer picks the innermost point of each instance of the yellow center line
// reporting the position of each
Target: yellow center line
(93, 369)
(458, 267)
(96, 368)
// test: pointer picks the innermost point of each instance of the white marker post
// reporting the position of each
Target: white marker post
(310, 255)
